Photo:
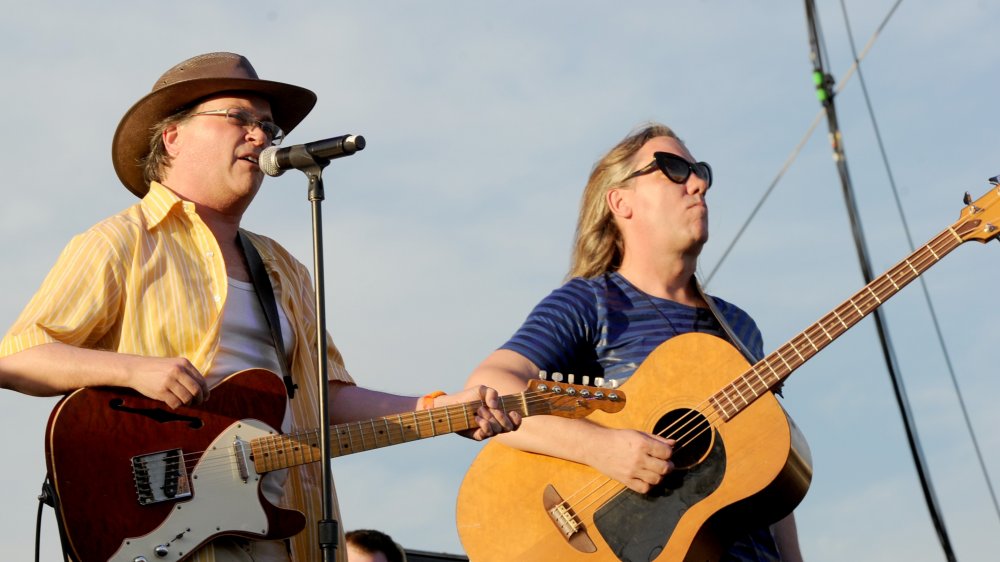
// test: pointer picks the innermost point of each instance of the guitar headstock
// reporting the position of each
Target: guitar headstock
(980, 219)
(569, 400)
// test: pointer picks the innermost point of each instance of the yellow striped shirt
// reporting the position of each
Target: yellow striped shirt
(151, 281)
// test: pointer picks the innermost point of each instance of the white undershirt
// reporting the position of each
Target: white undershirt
(246, 343)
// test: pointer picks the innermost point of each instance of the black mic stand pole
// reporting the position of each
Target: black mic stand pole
(824, 91)
(312, 167)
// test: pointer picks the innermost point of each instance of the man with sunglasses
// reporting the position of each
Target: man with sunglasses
(161, 298)
(643, 222)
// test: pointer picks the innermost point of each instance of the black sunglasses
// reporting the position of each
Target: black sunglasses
(677, 169)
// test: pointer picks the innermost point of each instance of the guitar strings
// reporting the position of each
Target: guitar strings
(695, 422)
(397, 429)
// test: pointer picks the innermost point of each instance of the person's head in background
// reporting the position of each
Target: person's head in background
(367, 545)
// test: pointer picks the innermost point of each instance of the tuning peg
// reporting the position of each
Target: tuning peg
(598, 381)
(995, 180)
(571, 378)
(557, 377)
(967, 199)
(543, 375)
(586, 380)
(613, 383)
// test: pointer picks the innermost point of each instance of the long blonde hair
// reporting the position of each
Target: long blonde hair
(599, 246)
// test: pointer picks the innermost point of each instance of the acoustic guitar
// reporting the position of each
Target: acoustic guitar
(741, 463)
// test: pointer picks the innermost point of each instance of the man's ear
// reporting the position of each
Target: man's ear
(619, 202)
(171, 140)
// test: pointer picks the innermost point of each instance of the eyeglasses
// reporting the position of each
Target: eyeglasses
(677, 169)
(245, 119)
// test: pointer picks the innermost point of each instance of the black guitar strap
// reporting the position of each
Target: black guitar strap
(725, 325)
(729, 332)
(262, 286)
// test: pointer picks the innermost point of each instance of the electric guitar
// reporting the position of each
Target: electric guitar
(740, 461)
(135, 480)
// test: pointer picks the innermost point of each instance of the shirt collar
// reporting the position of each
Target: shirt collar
(158, 203)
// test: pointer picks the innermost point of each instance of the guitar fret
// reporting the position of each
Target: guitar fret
(825, 332)
(795, 348)
(760, 378)
(274, 450)
(293, 452)
(430, 418)
(955, 234)
(810, 340)
(725, 395)
(416, 424)
(841, 320)
(350, 437)
(738, 393)
(856, 307)
(718, 408)
(374, 434)
(388, 431)
(402, 433)
(361, 435)
(915, 272)
(782, 357)
(933, 253)
(878, 300)
(771, 368)
(722, 408)
(888, 276)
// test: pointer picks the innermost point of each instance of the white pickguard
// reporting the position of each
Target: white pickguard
(222, 503)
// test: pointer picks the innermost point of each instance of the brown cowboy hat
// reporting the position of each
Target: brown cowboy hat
(182, 86)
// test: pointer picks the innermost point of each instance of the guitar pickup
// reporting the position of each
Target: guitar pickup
(161, 477)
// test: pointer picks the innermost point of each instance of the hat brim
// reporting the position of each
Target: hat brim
(289, 106)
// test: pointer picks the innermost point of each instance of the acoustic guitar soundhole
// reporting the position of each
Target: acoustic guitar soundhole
(638, 526)
(693, 435)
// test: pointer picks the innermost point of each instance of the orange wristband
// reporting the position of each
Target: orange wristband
(427, 401)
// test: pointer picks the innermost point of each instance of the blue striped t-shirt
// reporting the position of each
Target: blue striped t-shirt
(603, 326)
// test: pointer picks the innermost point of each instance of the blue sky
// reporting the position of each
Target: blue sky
(483, 120)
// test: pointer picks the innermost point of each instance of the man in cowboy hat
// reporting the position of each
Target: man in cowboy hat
(160, 297)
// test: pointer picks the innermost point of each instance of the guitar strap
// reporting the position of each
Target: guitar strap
(732, 335)
(725, 325)
(262, 286)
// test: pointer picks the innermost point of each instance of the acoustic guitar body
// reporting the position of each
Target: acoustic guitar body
(733, 475)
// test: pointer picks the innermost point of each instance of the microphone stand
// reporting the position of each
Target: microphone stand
(311, 158)
(312, 167)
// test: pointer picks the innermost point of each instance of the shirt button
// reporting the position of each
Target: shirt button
(210, 254)
(216, 298)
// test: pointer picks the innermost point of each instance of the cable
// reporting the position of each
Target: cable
(923, 284)
(798, 148)
(823, 83)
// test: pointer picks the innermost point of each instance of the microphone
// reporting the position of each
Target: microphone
(274, 161)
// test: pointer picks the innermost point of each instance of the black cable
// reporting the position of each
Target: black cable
(38, 525)
(923, 284)
(825, 94)
(798, 148)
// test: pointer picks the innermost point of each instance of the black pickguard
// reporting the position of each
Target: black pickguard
(637, 526)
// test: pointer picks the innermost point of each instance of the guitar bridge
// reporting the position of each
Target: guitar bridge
(161, 477)
(566, 521)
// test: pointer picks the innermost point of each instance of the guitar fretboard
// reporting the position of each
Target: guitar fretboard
(275, 452)
(777, 366)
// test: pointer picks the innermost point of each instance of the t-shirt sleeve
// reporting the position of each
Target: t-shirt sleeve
(559, 332)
